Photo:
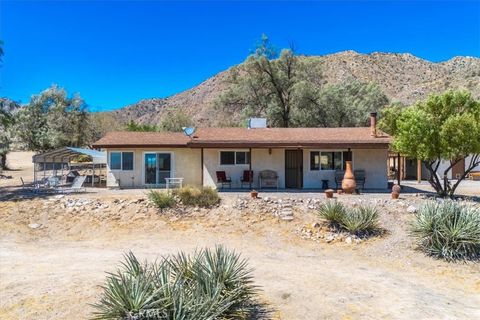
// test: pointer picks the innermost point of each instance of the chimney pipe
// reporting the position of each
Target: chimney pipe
(373, 124)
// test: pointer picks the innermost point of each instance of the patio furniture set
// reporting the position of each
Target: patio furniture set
(266, 179)
(269, 179)
(53, 185)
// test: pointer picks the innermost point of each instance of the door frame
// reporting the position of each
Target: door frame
(172, 165)
(300, 172)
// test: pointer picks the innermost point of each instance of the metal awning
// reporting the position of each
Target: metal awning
(65, 154)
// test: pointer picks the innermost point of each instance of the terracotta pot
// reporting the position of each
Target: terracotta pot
(329, 193)
(395, 195)
(254, 194)
(348, 182)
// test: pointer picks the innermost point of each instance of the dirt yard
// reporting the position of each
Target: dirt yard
(54, 252)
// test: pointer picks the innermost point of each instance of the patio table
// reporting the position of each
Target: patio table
(178, 182)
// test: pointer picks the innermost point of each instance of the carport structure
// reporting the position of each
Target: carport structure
(57, 159)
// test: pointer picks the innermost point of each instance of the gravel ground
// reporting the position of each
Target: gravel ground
(54, 252)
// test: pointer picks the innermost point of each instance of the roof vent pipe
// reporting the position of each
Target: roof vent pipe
(373, 124)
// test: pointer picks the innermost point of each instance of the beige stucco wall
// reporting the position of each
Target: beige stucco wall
(185, 164)
(374, 162)
(261, 160)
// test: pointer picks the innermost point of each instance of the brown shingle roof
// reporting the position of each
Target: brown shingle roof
(142, 139)
(242, 137)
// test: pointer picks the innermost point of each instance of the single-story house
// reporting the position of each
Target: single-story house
(300, 157)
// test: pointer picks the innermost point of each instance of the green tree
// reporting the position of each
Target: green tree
(347, 104)
(443, 127)
(135, 126)
(7, 107)
(175, 120)
(289, 91)
(269, 85)
(52, 120)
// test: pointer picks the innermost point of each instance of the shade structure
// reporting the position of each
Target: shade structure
(65, 154)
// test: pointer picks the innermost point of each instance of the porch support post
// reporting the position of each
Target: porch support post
(93, 174)
(250, 167)
(201, 165)
(398, 168)
(419, 170)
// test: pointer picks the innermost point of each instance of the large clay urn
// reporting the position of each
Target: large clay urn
(348, 182)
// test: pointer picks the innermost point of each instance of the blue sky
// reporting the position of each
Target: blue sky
(116, 53)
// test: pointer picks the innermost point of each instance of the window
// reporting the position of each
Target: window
(234, 157)
(115, 160)
(242, 157)
(121, 160)
(227, 157)
(314, 160)
(327, 160)
(127, 160)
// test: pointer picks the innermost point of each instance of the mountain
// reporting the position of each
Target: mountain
(402, 76)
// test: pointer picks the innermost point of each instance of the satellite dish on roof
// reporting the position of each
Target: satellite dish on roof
(188, 131)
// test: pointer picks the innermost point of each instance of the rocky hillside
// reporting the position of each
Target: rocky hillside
(403, 77)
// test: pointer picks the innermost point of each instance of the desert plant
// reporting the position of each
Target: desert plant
(161, 200)
(202, 197)
(360, 220)
(332, 211)
(211, 284)
(356, 221)
(448, 230)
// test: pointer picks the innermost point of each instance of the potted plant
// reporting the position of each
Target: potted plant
(254, 194)
(396, 191)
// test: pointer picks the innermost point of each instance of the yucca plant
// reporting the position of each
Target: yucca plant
(161, 200)
(360, 220)
(333, 212)
(211, 284)
(448, 230)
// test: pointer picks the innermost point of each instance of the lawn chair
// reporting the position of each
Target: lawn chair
(359, 178)
(25, 187)
(223, 180)
(247, 178)
(77, 185)
(339, 178)
(268, 178)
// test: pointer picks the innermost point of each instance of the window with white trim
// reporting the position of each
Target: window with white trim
(121, 160)
(327, 160)
(234, 157)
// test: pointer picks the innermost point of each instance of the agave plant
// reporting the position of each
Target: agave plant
(448, 230)
(211, 284)
(333, 212)
(360, 220)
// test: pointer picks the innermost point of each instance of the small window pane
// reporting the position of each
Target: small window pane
(242, 157)
(326, 160)
(314, 160)
(127, 161)
(115, 161)
(338, 164)
(227, 157)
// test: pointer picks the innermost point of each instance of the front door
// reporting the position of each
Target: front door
(294, 169)
(158, 166)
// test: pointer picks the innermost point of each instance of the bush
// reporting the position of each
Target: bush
(203, 197)
(211, 284)
(355, 221)
(448, 230)
(360, 220)
(161, 200)
(333, 212)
